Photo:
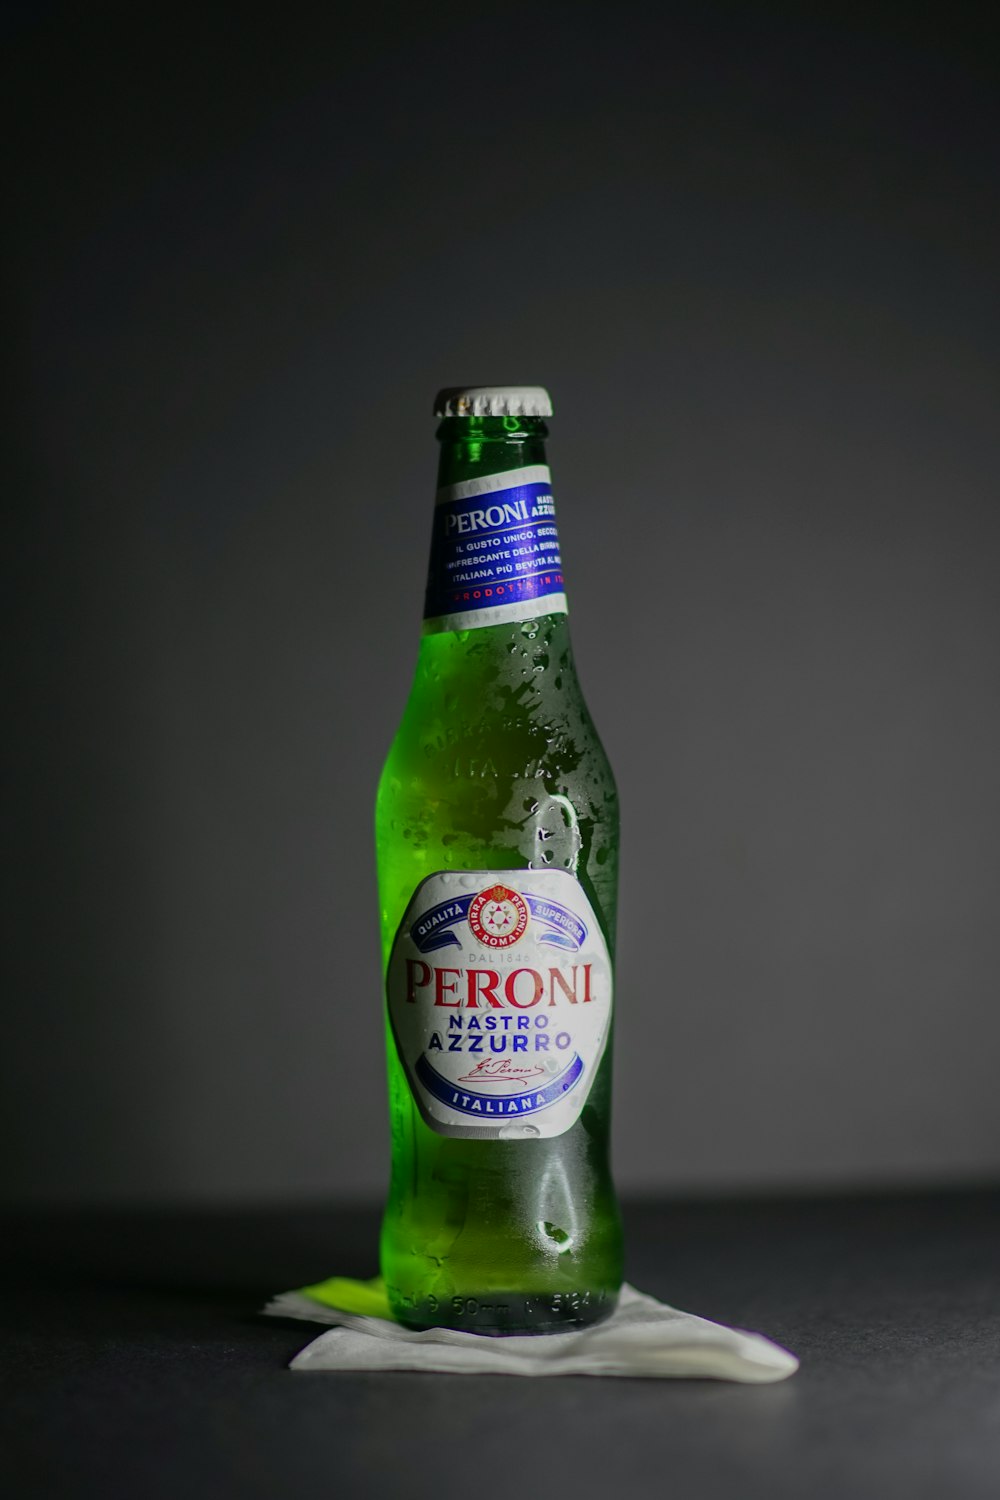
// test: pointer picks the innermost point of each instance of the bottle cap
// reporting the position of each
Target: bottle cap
(493, 401)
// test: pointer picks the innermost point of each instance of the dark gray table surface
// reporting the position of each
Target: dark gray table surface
(134, 1364)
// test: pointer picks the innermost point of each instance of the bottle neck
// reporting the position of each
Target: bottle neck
(495, 556)
(474, 447)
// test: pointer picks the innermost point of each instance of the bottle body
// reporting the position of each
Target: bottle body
(497, 842)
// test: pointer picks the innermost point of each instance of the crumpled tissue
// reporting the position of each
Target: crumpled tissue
(642, 1337)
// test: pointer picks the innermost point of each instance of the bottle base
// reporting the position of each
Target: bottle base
(503, 1314)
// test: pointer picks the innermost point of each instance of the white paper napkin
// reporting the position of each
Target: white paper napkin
(642, 1337)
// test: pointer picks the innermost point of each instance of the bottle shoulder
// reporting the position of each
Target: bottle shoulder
(497, 765)
(505, 696)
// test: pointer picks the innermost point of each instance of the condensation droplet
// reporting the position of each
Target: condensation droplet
(518, 1132)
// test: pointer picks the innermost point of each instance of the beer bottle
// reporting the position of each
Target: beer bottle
(497, 843)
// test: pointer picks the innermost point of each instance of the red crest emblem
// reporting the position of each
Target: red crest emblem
(498, 917)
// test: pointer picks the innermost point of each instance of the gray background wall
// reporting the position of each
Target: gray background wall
(754, 257)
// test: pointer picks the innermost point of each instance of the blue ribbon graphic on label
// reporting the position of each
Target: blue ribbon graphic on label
(563, 928)
(493, 1106)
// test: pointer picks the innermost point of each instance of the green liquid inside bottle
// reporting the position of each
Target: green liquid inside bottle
(497, 766)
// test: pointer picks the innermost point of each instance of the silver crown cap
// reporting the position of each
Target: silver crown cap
(493, 401)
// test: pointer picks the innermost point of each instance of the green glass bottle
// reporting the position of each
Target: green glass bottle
(497, 842)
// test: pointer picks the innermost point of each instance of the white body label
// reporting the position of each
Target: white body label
(500, 991)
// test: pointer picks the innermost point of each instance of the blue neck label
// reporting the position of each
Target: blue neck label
(494, 552)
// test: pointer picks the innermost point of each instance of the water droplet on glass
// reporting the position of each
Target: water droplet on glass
(557, 1236)
(518, 1132)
